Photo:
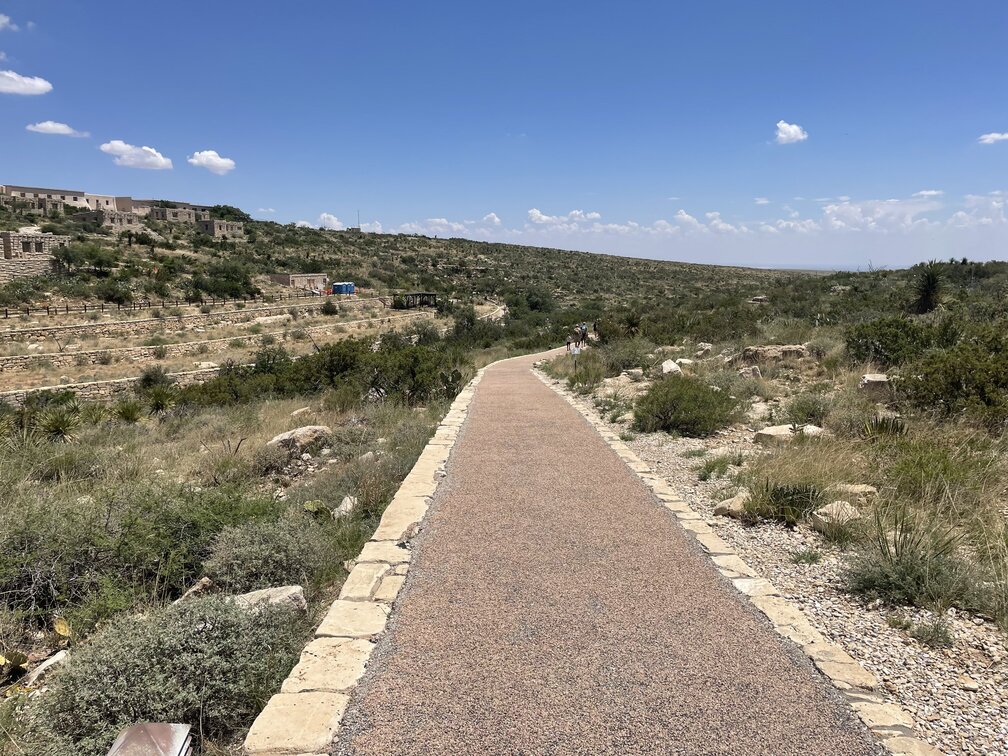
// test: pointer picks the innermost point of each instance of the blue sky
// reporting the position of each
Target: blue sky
(637, 128)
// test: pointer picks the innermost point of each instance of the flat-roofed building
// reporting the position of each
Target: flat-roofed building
(172, 214)
(310, 281)
(222, 229)
(27, 254)
(70, 197)
(110, 219)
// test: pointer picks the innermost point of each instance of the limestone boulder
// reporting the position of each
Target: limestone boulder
(875, 385)
(347, 507)
(669, 367)
(703, 349)
(776, 435)
(288, 596)
(205, 365)
(684, 362)
(300, 411)
(773, 353)
(750, 371)
(733, 507)
(834, 516)
(302, 437)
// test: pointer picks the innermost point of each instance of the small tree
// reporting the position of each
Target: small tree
(928, 284)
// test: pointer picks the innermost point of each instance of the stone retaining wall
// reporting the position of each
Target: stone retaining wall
(126, 328)
(106, 391)
(23, 362)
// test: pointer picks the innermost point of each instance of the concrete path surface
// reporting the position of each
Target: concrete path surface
(552, 607)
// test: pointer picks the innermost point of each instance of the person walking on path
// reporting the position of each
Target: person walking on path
(568, 342)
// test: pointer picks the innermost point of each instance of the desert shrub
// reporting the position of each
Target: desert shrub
(160, 352)
(717, 467)
(59, 422)
(268, 460)
(806, 556)
(587, 372)
(625, 354)
(970, 378)
(789, 503)
(808, 407)
(881, 426)
(153, 376)
(684, 405)
(887, 341)
(849, 412)
(264, 554)
(207, 663)
(934, 633)
(160, 399)
(912, 559)
(329, 308)
(342, 398)
(104, 357)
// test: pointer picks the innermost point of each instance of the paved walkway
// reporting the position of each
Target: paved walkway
(552, 607)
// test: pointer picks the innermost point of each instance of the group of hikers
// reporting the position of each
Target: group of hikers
(579, 335)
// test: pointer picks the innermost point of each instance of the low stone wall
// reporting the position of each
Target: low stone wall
(153, 325)
(106, 391)
(22, 362)
(111, 390)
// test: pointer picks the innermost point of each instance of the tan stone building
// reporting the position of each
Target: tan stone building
(70, 197)
(111, 219)
(27, 254)
(172, 214)
(222, 229)
(310, 281)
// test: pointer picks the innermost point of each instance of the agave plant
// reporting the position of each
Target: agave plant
(882, 427)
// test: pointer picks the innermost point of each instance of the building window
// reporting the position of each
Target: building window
(25, 248)
(39, 248)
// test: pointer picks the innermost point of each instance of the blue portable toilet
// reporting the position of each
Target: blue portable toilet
(344, 287)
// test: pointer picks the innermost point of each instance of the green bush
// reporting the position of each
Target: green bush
(329, 308)
(265, 554)
(789, 503)
(206, 662)
(887, 341)
(808, 408)
(684, 405)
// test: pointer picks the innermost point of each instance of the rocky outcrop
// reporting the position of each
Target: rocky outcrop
(876, 385)
(773, 353)
(669, 367)
(734, 507)
(301, 438)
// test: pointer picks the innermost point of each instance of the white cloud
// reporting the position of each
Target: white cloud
(492, 219)
(303, 224)
(130, 156)
(3, 56)
(761, 200)
(994, 136)
(213, 162)
(266, 210)
(574, 216)
(928, 193)
(15, 83)
(55, 127)
(688, 221)
(374, 227)
(6, 23)
(331, 222)
(789, 133)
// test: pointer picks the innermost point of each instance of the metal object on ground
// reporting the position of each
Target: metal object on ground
(153, 739)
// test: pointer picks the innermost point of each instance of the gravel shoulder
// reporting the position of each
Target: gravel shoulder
(958, 696)
(553, 607)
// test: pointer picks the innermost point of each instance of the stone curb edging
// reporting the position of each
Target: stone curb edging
(304, 717)
(889, 723)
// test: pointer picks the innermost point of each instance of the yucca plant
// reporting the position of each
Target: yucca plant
(882, 427)
(128, 411)
(789, 503)
(928, 284)
(60, 423)
(160, 399)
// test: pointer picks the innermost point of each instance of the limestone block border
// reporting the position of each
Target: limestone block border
(891, 724)
(304, 717)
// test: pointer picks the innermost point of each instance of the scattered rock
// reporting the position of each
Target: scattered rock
(300, 411)
(44, 668)
(733, 507)
(684, 362)
(968, 683)
(833, 516)
(205, 365)
(752, 371)
(635, 374)
(785, 434)
(347, 506)
(874, 384)
(669, 367)
(861, 493)
(200, 587)
(301, 437)
(703, 349)
(267, 319)
(289, 596)
(773, 353)
(366, 457)
(759, 299)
